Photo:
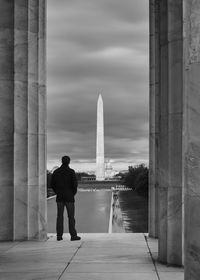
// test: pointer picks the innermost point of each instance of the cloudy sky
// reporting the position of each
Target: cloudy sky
(97, 46)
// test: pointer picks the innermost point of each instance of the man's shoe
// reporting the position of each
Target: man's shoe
(74, 238)
(59, 238)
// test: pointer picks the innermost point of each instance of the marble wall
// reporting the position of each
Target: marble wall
(23, 119)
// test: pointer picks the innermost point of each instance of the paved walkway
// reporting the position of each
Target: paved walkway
(96, 257)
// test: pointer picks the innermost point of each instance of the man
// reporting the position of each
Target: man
(64, 184)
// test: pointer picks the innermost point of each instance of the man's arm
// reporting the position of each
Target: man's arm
(74, 182)
(53, 183)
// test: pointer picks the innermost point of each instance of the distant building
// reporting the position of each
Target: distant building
(109, 173)
(88, 178)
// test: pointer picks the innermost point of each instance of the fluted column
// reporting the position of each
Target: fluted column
(42, 113)
(6, 119)
(20, 129)
(192, 139)
(154, 117)
(22, 113)
(175, 129)
(163, 148)
(167, 117)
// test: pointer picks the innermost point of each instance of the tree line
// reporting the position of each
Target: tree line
(136, 178)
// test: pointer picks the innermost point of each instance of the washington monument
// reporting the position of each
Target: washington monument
(100, 172)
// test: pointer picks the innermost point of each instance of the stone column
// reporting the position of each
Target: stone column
(42, 113)
(163, 147)
(6, 119)
(20, 120)
(175, 121)
(154, 118)
(22, 117)
(192, 139)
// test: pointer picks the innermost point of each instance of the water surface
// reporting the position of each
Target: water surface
(92, 212)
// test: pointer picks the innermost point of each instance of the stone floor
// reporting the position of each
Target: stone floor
(96, 257)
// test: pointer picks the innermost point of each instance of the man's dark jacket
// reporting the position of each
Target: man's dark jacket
(64, 184)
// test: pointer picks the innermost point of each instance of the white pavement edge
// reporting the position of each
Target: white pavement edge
(111, 215)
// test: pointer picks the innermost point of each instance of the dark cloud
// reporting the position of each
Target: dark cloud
(98, 47)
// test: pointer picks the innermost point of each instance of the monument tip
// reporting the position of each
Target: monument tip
(100, 96)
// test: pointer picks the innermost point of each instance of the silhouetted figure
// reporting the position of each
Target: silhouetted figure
(64, 184)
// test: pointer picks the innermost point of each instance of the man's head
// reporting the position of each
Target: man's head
(65, 160)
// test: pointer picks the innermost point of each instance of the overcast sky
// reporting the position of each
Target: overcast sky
(97, 46)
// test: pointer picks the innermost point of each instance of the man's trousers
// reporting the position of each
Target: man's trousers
(71, 219)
